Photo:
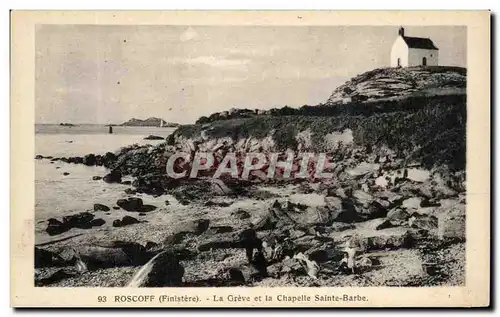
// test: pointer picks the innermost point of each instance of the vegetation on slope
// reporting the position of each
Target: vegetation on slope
(435, 133)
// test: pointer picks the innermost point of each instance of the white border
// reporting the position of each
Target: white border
(186, 4)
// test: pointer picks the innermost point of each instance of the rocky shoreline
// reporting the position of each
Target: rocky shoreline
(379, 221)
(393, 214)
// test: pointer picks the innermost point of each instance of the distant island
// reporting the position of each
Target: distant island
(67, 124)
(149, 122)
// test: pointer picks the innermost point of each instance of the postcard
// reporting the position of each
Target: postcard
(250, 159)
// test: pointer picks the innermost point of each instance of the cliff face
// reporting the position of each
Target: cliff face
(394, 83)
(433, 135)
(149, 122)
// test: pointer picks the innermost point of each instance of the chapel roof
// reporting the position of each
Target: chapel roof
(419, 42)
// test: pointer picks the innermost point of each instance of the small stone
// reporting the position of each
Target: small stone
(97, 222)
(130, 204)
(101, 207)
(154, 137)
(127, 220)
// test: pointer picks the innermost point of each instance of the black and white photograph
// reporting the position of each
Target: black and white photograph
(190, 159)
(214, 156)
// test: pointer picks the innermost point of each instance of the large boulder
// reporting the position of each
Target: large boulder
(231, 276)
(362, 169)
(105, 254)
(391, 238)
(392, 197)
(44, 258)
(127, 220)
(412, 203)
(390, 241)
(426, 222)
(131, 204)
(418, 175)
(379, 224)
(372, 236)
(163, 270)
(109, 159)
(56, 227)
(346, 213)
(361, 197)
(291, 266)
(84, 220)
(398, 214)
(75, 160)
(114, 176)
(374, 210)
(89, 160)
(97, 222)
(312, 216)
(81, 220)
(333, 203)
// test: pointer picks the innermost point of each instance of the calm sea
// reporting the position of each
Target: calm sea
(57, 194)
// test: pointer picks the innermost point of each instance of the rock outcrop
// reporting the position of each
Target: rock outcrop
(387, 83)
(84, 220)
(149, 122)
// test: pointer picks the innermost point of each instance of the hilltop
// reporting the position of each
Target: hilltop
(149, 122)
(394, 83)
(382, 90)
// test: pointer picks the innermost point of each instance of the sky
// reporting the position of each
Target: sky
(109, 74)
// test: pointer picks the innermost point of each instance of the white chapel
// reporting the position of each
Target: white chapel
(413, 51)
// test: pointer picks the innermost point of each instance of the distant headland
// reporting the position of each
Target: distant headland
(150, 122)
